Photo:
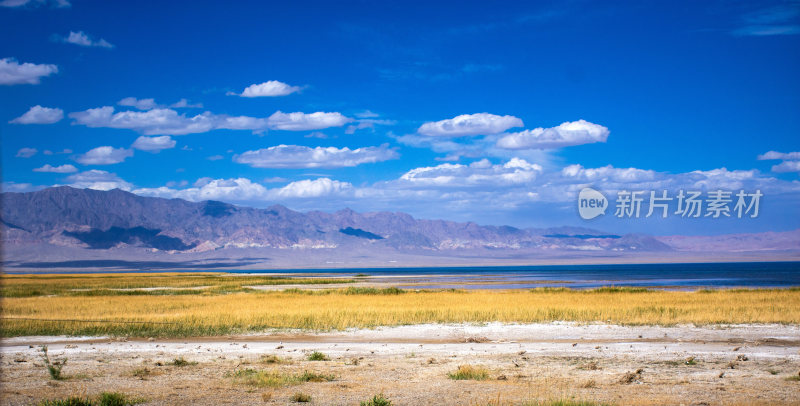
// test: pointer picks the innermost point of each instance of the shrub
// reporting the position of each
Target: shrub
(53, 367)
(182, 362)
(318, 356)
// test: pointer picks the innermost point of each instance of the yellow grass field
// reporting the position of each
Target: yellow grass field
(40, 305)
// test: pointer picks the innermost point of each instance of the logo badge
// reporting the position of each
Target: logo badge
(591, 203)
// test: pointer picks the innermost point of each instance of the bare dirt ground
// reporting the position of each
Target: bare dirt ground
(722, 365)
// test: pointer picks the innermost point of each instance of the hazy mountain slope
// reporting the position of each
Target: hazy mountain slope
(101, 220)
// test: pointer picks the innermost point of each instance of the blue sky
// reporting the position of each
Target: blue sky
(496, 113)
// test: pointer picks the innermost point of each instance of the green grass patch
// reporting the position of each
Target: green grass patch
(318, 356)
(377, 400)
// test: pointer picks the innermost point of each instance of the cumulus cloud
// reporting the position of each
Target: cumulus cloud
(236, 190)
(98, 180)
(298, 121)
(270, 88)
(26, 152)
(607, 174)
(467, 190)
(245, 190)
(67, 168)
(567, 134)
(480, 173)
(163, 121)
(297, 156)
(787, 166)
(153, 144)
(785, 156)
(470, 124)
(39, 115)
(15, 73)
(314, 188)
(84, 40)
(104, 155)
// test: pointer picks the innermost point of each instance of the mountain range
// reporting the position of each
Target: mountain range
(64, 225)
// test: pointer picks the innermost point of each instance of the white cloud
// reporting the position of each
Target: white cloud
(480, 173)
(314, 188)
(786, 156)
(298, 121)
(183, 103)
(470, 124)
(215, 157)
(245, 190)
(15, 73)
(26, 152)
(164, 121)
(67, 168)
(104, 155)
(154, 144)
(84, 40)
(98, 180)
(297, 156)
(40, 115)
(141, 104)
(607, 174)
(236, 190)
(367, 114)
(367, 123)
(567, 134)
(787, 166)
(20, 187)
(34, 3)
(317, 134)
(149, 104)
(270, 88)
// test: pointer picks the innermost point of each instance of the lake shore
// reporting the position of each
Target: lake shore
(685, 364)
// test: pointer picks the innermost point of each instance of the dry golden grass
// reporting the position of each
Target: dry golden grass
(252, 311)
(129, 283)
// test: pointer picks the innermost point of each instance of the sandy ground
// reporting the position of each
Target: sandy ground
(743, 364)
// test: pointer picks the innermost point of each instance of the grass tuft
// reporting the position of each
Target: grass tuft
(272, 378)
(377, 400)
(182, 362)
(301, 397)
(104, 399)
(53, 367)
(465, 372)
(318, 356)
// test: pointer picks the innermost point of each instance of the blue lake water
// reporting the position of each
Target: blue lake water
(668, 276)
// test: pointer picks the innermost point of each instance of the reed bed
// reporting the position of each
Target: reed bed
(219, 313)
